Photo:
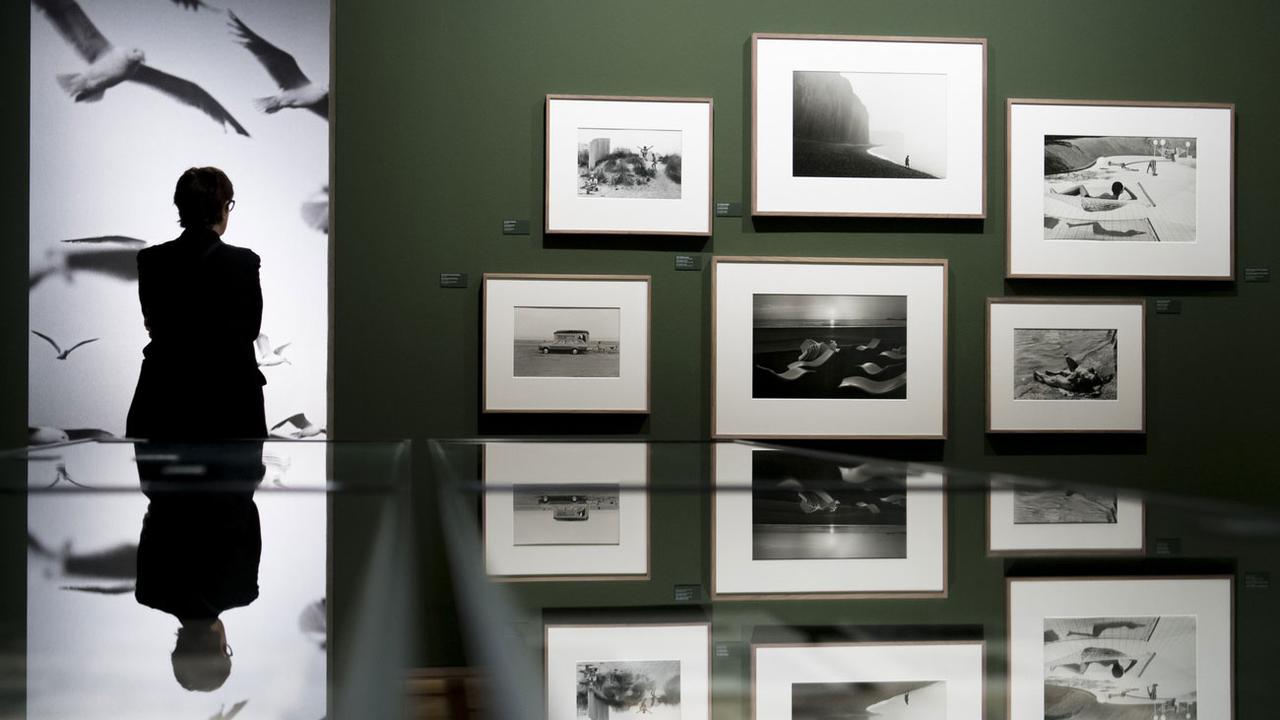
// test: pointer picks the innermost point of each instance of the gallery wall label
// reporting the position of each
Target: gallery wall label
(1168, 546)
(1257, 580)
(688, 262)
(453, 280)
(1168, 306)
(1257, 274)
(728, 209)
(515, 227)
(687, 593)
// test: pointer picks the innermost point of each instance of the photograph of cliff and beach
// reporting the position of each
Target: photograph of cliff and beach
(869, 125)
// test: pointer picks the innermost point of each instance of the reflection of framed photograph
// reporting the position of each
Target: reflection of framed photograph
(1065, 365)
(660, 672)
(1024, 519)
(868, 126)
(1100, 647)
(1101, 189)
(810, 347)
(786, 524)
(939, 681)
(555, 511)
(566, 343)
(635, 165)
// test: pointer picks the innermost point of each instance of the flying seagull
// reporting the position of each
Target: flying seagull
(62, 354)
(44, 435)
(315, 211)
(268, 356)
(235, 710)
(305, 428)
(114, 256)
(109, 66)
(297, 90)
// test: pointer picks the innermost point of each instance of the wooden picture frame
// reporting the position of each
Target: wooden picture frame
(625, 180)
(865, 554)
(850, 321)
(595, 360)
(575, 484)
(837, 119)
(649, 649)
(1163, 642)
(940, 679)
(1108, 189)
(1066, 365)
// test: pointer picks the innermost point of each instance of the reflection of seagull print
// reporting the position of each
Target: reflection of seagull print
(109, 66)
(62, 354)
(193, 4)
(305, 428)
(108, 239)
(315, 211)
(1101, 627)
(224, 714)
(872, 507)
(297, 89)
(267, 355)
(44, 435)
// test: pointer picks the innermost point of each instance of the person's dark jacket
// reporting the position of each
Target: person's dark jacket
(202, 304)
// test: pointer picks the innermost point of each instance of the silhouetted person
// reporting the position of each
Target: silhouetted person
(200, 546)
(202, 306)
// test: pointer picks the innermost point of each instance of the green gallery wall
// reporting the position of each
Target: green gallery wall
(438, 137)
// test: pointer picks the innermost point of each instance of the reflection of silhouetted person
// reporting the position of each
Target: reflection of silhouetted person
(202, 305)
(199, 548)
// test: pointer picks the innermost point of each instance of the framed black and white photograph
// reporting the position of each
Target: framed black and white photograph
(786, 524)
(566, 343)
(555, 511)
(632, 165)
(868, 126)
(813, 347)
(1048, 519)
(1065, 365)
(603, 672)
(834, 681)
(1105, 189)
(1120, 648)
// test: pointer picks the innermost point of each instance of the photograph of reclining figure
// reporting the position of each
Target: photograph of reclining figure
(1064, 364)
(1107, 188)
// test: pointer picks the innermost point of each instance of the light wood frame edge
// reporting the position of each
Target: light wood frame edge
(484, 340)
(1008, 154)
(755, 207)
(768, 259)
(1026, 300)
(546, 167)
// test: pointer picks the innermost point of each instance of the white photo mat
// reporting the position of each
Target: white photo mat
(776, 191)
(737, 575)
(567, 212)
(508, 465)
(505, 392)
(1004, 536)
(922, 415)
(1126, 413)
(960, 665)
(568, 645)
(1208, 599)
(1210, 257)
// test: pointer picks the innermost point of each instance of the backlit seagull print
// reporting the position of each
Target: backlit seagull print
(297, 90)
(267, 355)
(62, 354)
(304, 428)
(109, 66)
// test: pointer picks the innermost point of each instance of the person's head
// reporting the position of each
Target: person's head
(1116, 670)
(1117, 187)
(204, 197)
(201, 657)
